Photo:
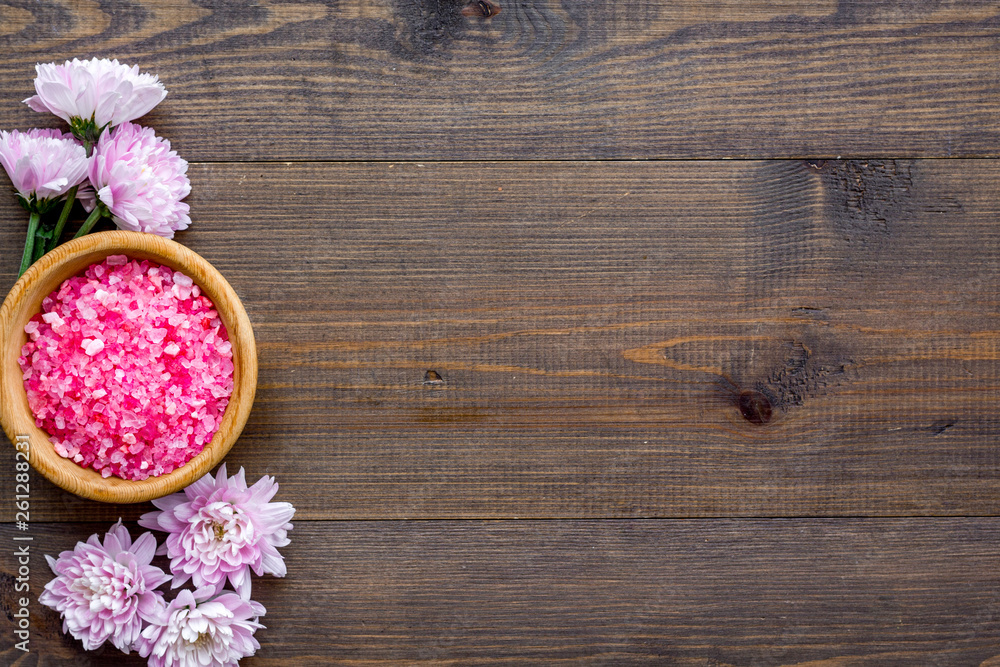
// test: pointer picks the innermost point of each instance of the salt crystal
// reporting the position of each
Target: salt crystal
(86, 312)
(116, 260)
(92, 347)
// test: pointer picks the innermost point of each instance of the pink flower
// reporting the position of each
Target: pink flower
(42, 164)
(105, 591)
(219, 529)
(194, 631)
(103, 91)
(87, 197)
(141, 181)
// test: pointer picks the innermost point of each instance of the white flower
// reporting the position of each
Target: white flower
(197, 630)
(101, 90)
(220, 529)
(42, 164)
(141, 181)
(105, 591)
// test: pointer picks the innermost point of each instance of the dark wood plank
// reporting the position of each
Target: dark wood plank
(595, 324)
(414, 79)
(844, 593)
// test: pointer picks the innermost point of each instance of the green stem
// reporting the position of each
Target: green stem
(29, 244)
(63, 217)
(40, 243)
(89, 223)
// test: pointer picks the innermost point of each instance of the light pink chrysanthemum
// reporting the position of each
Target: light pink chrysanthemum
(219, 529)
(42, 164)
(105, 591)
(141, 181)
(101, 90)
(196, 630)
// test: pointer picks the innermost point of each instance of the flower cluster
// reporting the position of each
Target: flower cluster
(218, 530)
(115, 168)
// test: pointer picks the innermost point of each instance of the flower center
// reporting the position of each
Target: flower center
(108, 586)
(220, 528)
(91, 587)
(220, 531)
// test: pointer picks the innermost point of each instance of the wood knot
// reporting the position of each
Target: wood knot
(755, 407)
(480, 9)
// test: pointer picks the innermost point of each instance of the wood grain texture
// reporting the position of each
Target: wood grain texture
(593, 326)
(844, 593)
(415, 79)
(568, 409)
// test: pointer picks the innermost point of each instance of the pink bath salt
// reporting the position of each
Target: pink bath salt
(92, 347)
(129, 368)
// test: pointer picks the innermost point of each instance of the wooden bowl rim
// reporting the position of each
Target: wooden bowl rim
(71, 259)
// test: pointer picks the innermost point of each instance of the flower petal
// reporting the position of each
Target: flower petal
(144, 548)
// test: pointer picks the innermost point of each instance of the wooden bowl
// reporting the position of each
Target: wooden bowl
(25, 300)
